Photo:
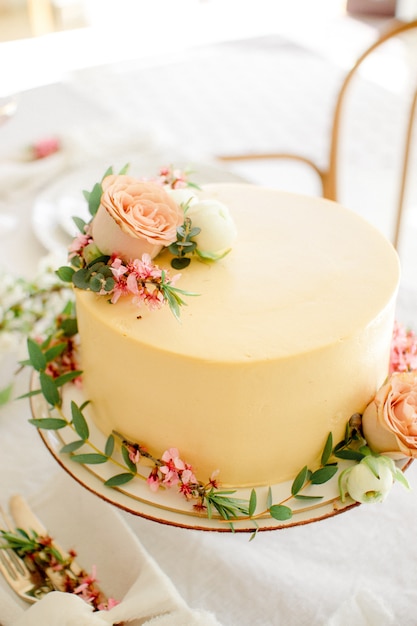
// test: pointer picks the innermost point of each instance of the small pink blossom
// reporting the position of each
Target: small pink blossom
(153, 480)
(117, 268)
(213, 482)
(45, 147)
(187, 476)
(403, 356)
(174, 178)
(106, 606)
(78, 244)
(134, 454)
(172, 459)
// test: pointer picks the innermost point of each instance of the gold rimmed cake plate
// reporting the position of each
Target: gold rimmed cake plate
(167, 506)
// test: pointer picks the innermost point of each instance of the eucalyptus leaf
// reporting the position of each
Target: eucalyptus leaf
(89, 458)
(269, 498)
(127, 460)
(303, 497)
(299, 480)
(108, 172)
(327, 449)
(36, 356)
(67, 378)
(6, 394)
(109, 284)
(399, 476)
(254, 533)
(55, 351)
(349, 455)
(180, 263)
(119, 479)
(280, 512)
(252, 502)
(79, 222)
(48, 423)
(81, 278)
(72, 447)
(29, 394)
(79, 422)
(125, 169)
(94, 198)
(96, 283)
(323, 474)
(65, 273)
(49, 389)
(108, 450)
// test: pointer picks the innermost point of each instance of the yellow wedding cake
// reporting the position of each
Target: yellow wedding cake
(281, 341)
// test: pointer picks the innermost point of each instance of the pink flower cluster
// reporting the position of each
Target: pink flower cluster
(139, 278)
(174, 178)
(88, 591)
(403, 356)
(78, 244)
(173, 471)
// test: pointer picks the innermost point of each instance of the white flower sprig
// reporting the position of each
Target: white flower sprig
(28, 308)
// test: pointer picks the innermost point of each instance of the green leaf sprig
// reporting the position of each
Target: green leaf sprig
(184, 245)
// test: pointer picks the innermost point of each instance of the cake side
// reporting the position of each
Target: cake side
(288, 337)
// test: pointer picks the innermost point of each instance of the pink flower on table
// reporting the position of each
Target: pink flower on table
(403, 356)
(45, 147)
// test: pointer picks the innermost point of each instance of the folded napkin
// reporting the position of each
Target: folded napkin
(125, 570)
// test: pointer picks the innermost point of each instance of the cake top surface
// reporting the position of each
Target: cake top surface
(303, 273)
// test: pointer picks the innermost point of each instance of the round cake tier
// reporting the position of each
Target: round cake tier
(288, 336)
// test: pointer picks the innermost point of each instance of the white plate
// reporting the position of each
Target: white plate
(166, 505)
(55, 206)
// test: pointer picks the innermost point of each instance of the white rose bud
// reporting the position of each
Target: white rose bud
(367, 485)
(182, 196)
(218, 230)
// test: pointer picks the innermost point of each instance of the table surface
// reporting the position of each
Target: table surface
(297, 576)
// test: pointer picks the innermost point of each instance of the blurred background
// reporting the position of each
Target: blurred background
(195, 80)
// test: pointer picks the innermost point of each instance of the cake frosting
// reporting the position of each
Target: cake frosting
(287, 336)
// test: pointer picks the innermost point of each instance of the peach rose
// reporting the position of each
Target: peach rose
(389, 423)
(135, 218)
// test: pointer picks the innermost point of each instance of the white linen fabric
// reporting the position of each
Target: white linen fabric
(364, 609)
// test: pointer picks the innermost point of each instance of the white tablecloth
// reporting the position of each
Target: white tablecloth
(359, 567)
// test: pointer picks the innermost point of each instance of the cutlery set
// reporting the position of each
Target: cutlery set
(30, 577)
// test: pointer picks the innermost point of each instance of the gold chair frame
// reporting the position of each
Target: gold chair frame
(328, 176)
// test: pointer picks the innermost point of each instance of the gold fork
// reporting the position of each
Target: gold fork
(16, 573)
(27, 583)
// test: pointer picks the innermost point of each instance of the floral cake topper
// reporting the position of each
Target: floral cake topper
(132, 222)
